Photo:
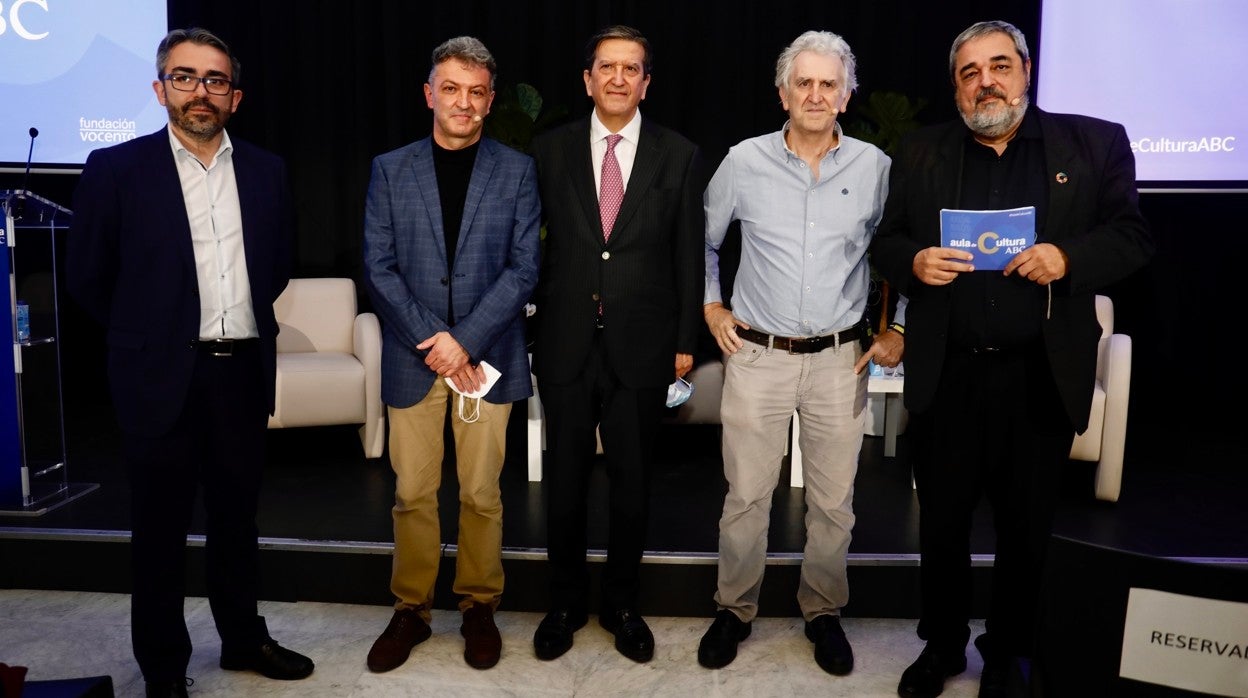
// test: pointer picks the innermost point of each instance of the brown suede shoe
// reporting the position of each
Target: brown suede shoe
(482, 644)
(406, 630)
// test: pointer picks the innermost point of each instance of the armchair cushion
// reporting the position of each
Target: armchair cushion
(328, 361)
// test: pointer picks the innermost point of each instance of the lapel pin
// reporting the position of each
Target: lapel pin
(1062, 178)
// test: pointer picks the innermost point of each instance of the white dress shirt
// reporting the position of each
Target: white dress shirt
(625, 150)
(210, 193)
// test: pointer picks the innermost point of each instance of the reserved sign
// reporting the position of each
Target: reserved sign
(1186, 642)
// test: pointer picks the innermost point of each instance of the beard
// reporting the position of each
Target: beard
(998, 121)
(201, 127)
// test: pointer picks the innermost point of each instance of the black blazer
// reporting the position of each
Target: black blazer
(1093, 215)
(130, 264)
(648, 277)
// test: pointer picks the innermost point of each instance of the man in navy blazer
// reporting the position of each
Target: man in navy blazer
(180, 243)
(451, 248)
(618, 315)
(1000, 365)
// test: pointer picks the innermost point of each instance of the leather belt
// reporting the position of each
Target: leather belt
(802, 345)
(224, 347)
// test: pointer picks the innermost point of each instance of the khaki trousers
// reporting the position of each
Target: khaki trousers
(416, 452)
(762, 388)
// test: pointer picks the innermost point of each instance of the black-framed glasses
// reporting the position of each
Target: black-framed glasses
(187, 83)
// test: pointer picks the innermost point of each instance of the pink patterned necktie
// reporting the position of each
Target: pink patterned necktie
(611, 189)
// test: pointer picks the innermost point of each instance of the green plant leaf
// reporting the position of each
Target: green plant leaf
(530, 100)
(883, 118)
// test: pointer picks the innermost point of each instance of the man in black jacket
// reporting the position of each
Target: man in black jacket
(618, 315)
(181, 242)
(1000, 365)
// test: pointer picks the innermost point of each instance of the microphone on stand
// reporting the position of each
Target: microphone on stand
(17, 205)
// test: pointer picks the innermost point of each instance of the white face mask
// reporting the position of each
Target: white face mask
(468, 415)
(472, 413)
(678, 393)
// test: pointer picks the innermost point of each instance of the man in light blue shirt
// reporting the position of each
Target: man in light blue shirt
(808, 199)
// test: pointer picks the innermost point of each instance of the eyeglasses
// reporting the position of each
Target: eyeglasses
(187, 83)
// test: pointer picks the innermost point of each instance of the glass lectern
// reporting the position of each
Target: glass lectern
(33, 474)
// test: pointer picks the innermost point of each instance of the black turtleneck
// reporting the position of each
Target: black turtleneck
(454, 170)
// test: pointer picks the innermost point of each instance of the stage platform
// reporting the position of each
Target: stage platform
(326, 536)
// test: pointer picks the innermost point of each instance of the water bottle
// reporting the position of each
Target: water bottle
(23, 322)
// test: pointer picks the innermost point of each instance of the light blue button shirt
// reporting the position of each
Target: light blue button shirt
(804, 269)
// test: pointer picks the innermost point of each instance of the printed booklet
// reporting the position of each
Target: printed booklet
(994, 237)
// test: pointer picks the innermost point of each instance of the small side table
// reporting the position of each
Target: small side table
(890, 386)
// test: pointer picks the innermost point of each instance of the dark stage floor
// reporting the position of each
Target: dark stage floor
(319, 487)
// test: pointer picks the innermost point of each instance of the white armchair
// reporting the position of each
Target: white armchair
(328, 361)
(1104, 443)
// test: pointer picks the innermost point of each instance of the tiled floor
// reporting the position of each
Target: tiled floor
(61, 635)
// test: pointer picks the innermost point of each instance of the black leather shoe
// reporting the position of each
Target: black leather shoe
(719, 645)
(554, 633)
(925, 678)
(270, 660)
(633, 638)
(994, 680)
(832, 651)
(166, 689)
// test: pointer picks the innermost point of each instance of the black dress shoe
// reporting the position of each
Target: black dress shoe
(994, 680)
(925, 678)
(166, 689)
(719, 645)
(554, 633)
(633, 638)
(270, 660)
(832, 651)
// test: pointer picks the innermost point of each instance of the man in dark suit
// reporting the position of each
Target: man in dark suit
(451, 245)
(180, 244)
(1000, 365)
(618, 314)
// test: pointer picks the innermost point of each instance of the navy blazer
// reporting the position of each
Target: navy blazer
(496, 263)
(130, 264)
(1093, 215)
(648, 276)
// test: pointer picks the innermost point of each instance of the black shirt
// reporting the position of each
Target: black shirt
(989, 309)
(454, 170)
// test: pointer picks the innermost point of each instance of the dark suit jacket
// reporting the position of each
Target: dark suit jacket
(648, 276)
(496, 261)
(1093, 216)
(130, 264)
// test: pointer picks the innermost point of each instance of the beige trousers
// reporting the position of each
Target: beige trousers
(416, 452)
(762, 388)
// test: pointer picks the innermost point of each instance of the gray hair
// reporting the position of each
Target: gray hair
(200, 37)
(979, 29)
(466, 49)
(824, 44)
